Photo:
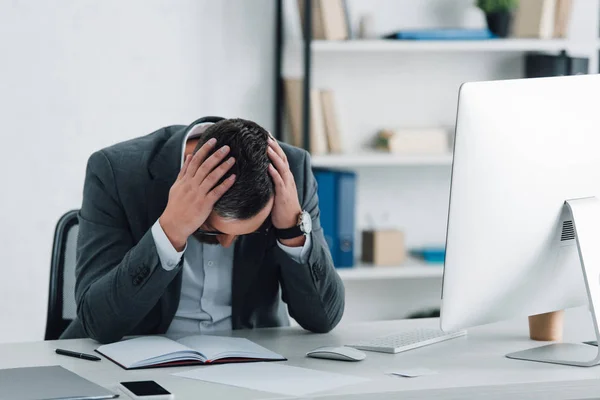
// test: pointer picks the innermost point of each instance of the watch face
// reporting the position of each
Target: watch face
(306, 223)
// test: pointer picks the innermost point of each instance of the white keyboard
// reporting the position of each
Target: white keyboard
(406, 340)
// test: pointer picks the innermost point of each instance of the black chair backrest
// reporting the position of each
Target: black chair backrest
(62, 308)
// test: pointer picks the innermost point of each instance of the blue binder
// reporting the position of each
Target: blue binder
(346, 206)
(326, 190)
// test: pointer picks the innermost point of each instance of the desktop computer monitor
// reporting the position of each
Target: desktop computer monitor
(523, 206)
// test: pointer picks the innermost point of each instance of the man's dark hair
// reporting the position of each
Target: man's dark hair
(253, 186)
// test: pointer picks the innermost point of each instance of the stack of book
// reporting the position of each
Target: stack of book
(542, 19)
(330, 19)
(323, 127)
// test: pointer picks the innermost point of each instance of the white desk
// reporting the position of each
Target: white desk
(465, 365)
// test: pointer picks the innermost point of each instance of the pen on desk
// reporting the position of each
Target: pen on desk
(75, 354)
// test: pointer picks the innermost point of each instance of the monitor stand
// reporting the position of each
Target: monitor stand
(586, 221)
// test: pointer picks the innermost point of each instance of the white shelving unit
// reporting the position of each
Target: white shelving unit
(391, 83)
(494, 45)
(375, 159)
(410, 270)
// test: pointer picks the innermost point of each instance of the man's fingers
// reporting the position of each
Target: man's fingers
(215, 176)
(281, 166)
(186, 164)
(210, 164)
(277, 179)
(276, 159)
(214, 195)
(200, 156)
(277, 148)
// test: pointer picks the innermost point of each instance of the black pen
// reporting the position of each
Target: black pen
(77, 355)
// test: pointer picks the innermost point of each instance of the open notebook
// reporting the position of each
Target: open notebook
(159, 351)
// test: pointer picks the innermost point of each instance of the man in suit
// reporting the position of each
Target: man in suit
(200, 229)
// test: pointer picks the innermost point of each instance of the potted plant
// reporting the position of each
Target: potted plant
(498, 14)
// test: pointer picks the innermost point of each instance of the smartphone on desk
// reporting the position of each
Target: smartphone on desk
(146, 390)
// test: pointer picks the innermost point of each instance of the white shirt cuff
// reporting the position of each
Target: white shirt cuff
(298, 254)
(169, 257)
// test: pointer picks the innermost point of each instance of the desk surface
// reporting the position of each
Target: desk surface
(472, 366)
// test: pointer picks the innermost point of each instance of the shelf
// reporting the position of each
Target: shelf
(493, 45)
(412, 270)
(375, 159)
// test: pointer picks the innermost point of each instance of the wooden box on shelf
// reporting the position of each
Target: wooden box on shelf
(414, 141)
(383, 247)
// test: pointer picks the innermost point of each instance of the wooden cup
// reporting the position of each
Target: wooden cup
(547, 327)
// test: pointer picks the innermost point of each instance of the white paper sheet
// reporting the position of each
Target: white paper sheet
(272, 377)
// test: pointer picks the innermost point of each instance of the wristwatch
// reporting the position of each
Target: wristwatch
(303, 227)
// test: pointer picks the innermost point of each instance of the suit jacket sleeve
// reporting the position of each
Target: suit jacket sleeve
(118, 281)
(313, 290)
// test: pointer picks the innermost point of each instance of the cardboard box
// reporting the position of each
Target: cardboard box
(383, 247)
(418, 141)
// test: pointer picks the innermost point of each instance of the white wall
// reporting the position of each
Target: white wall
(77, 75)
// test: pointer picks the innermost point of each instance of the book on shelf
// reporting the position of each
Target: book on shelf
(562, 18)
(347, 16)
(293, 103)
(318, 32)
(334, 19)
(430, 255)
(332, 129)
(293, 99)
(330, 20)
(442, 34)
(159, 351)
(535, 19)
(318, 135)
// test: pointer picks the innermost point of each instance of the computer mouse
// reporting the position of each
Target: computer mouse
(341, 353)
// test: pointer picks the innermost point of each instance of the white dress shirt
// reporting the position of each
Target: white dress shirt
(205, 302)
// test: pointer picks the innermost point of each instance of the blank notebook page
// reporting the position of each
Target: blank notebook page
(218, 347)
(128, 352)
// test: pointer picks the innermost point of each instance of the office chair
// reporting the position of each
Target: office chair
(62, 308)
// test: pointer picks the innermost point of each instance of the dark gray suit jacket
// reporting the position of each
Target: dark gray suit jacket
(121, 287)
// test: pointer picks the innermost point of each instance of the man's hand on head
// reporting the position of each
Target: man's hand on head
(194, 194)
(286, 206)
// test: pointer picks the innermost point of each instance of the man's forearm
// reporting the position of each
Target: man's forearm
(313, 290)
